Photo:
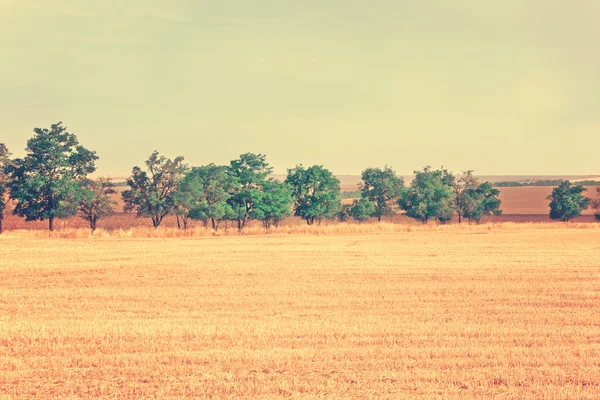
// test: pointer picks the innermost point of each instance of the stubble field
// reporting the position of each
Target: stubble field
(508, 311)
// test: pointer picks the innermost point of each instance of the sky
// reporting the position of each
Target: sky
(502, 87)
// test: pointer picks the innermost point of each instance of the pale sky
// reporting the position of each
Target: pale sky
(501, 87)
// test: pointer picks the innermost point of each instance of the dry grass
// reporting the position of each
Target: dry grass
(507, 311)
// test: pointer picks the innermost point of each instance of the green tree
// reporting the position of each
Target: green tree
(382, 187)
(276, 203)
(250, 172)
(151, 192)
(429, 196)
(361, 210)
(4, 161)
(596, 205)
(316, 193)
(567, 201)
(204, 192)
(96, 201)
(473, 200)
(46, 183)
(464, 199)
(485, 202)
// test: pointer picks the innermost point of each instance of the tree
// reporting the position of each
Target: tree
(4, 161)
(485, 202)
(381, 187)
(152, 191)
(203, 194)
(464, 188)
(473, 200)
(361, 210)
(596, 205)
(276, 203)
(46, 183)
(316, 193)
(567, 201)
(96, 202)
(430, 195)
(250, 172)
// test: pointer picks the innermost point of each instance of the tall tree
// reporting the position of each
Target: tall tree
(316, 193)
(203, 194)
(46, 183)
(96, 201)
(429, 196)
(152, 190)
(276, 203)
(4, 161)
(250, 171)
(567, 201)
(383, 188)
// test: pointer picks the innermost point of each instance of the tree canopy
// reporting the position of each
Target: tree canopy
(152, 190)
(276, 203)
(315, 192)
(204, 192)
(473, 200)
(46, 183)
(567, 201)
(429, 196)
(250, 172)
(96, 201)
(382, 187)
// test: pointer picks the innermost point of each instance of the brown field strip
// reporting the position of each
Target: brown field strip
(452, 313)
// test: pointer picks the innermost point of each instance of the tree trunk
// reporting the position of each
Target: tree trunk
(178, 223)
(51, 223)
(93, 221)
(1, 229)
(459, 218)
(185, 221)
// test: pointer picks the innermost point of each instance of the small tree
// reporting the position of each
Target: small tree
(250, 172)
(381, 187)
(473, 200)
(567, 201)
(46, 183)
(204, 192)
(430, 196)
(464, 188)
(485, 202)
(152, 191)
(4, 161)
(276, 203)
(361, 210)
(316, 193)
(96, 201)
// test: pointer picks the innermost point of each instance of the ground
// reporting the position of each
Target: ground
(460, 312)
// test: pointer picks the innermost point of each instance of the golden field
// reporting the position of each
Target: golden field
(357, 311)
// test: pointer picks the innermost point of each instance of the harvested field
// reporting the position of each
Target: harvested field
(505, 311)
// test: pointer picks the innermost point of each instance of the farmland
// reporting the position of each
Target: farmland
(506, 310)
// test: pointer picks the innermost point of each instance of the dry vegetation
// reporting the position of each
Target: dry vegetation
(353, 311)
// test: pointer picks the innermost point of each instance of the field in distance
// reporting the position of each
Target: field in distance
(467, 312)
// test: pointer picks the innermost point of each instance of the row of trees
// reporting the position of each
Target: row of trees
(51, 182)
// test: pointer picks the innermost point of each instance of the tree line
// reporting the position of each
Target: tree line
(52, 181)
(542, 182)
